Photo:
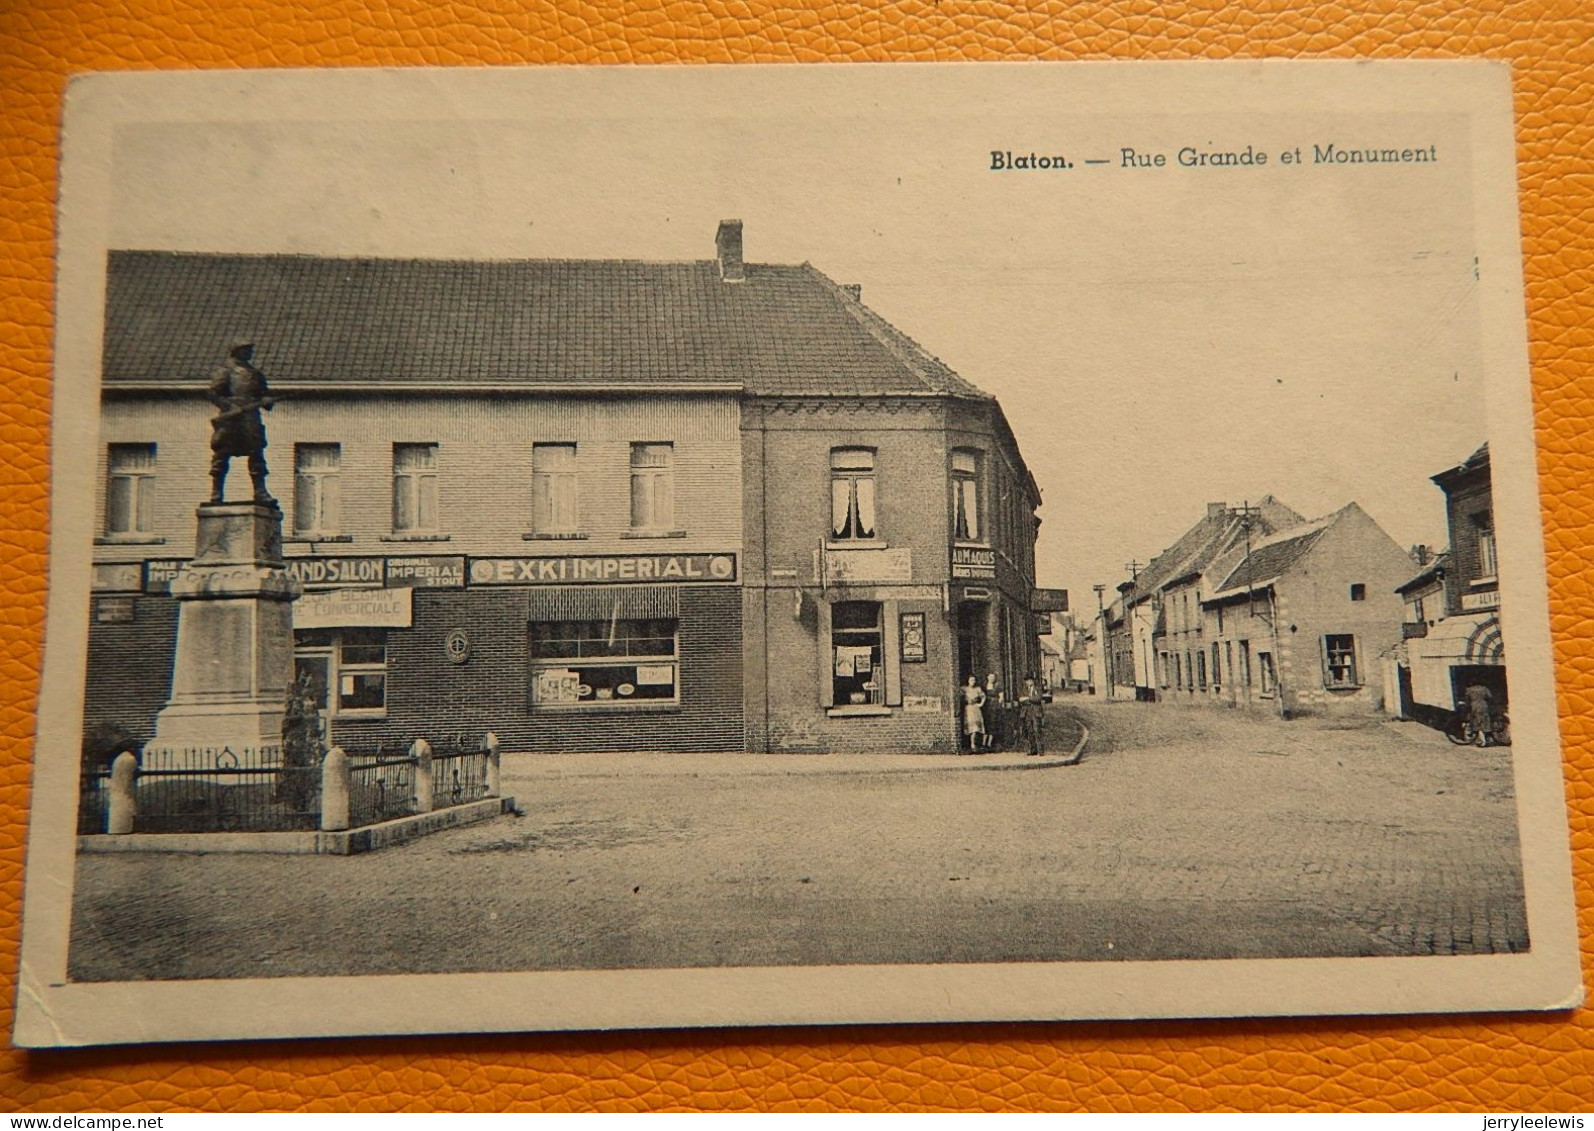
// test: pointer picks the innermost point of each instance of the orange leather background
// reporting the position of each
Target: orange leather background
(1503, 1063)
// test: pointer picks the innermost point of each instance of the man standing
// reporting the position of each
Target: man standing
(238, 389)
(1030, 709)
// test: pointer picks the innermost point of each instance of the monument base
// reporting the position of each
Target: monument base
(234, 656)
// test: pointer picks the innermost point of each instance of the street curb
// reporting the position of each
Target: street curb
(853, 765)
(343, 842)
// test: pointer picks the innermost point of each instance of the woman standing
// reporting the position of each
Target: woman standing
(973, 714)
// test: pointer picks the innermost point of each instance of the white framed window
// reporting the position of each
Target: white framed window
(1269, 675)
(607, 664)
(553, 489)
(652, 486)
(317, 488)
(852, 493)
(966, 496)
(348, 669)
(415, 488)
(1488, 563)
(130, 489)
(1339, 657)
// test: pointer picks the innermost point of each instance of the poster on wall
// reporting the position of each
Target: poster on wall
(693, 379)
(913, 638)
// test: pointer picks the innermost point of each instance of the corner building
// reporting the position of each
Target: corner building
(589, 505)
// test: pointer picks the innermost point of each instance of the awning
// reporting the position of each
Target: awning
(603, 602)
(1473, 639)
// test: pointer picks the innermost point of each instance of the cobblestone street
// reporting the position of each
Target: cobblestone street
(1183, 833)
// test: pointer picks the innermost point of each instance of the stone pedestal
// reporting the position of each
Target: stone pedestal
(234, 656)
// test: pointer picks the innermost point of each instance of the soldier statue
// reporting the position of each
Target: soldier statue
(238, 389)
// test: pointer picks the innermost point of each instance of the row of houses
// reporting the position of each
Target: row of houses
(589, 505)
(1257, 607)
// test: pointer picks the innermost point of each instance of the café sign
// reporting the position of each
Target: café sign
(325, 573)
(429, 572)
(568, 569)
(970, 561)
(869, 565)
(433, 571)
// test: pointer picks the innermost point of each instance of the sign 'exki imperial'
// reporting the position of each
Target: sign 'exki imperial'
(564, 570)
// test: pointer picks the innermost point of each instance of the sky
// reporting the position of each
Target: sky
(1159, 338)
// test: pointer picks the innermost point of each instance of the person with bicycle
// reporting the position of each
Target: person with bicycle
(1480, 713)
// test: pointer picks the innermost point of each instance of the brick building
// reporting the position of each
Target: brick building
(1297, 623)
(1254, 607)
(1160, 640)
(590, 505)
(1453, 635)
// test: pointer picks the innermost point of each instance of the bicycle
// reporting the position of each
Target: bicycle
(1463, 732)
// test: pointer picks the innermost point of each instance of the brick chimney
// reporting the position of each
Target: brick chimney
(854, 290)
(1217, 510)
(728, 251)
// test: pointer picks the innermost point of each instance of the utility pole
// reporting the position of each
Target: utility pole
(1249, 516)
(1101, 634)
(1134, 566)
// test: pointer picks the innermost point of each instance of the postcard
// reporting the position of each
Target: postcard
(587, 548)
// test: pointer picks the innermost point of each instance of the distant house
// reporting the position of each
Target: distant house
(1297, 623)
(1054, 667)
(1159, 611)
(1453, 638)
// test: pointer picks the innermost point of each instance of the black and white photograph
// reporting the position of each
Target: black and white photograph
(590, 548)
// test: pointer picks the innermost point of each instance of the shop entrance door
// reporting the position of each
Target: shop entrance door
(1492, 676)
(973, 618)
(317, 662)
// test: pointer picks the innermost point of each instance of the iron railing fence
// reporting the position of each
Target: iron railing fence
(93, 801)
(226, 799)
(206, 789)
(381, 788)
(459, 776)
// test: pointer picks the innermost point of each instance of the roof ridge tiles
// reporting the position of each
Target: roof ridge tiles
(417, 321)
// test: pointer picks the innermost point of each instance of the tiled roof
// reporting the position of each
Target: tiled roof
(1213, 535)
(1429, 573)
(1477, 461)
(786, 330)
(1266, 562)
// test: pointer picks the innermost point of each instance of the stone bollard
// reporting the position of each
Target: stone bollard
(335, 790)
(424, 787)
(495, 765)
(123, 806)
